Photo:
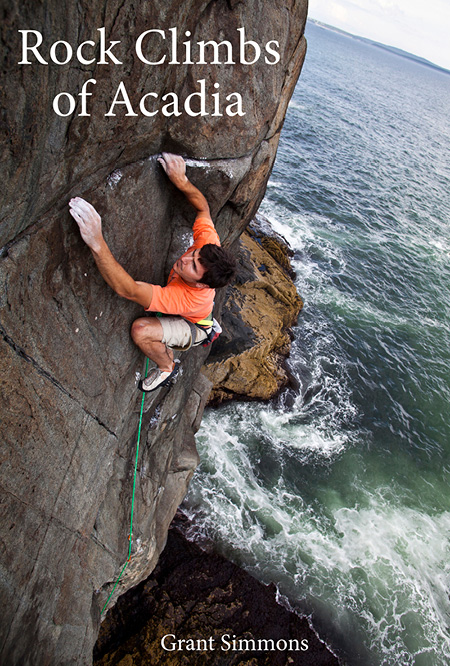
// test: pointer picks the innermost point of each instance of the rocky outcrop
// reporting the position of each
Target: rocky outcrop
(69, 401)
(246, 362)
(194, 595)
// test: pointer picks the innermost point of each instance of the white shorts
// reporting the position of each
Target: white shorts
(177, 333)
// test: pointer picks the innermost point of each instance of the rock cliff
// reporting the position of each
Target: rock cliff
(68, 367)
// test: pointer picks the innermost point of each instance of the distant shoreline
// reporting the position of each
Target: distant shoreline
(385, 47)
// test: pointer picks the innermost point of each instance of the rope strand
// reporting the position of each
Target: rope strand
(130, 537)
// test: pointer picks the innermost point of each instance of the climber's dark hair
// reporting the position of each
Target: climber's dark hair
(219, 264)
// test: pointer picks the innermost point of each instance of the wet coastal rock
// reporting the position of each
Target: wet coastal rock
(247, 361)
(206, 602)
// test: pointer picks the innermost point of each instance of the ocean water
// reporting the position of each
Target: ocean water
(339, 493)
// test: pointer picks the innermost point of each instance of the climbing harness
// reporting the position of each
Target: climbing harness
(130, 537)
(209, 326)
(212, 333)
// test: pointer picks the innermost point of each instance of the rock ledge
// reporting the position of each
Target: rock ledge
(246, 362)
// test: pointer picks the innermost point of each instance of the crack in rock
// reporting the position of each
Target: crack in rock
(22, 354)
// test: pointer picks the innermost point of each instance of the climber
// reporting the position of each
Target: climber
(185, 304)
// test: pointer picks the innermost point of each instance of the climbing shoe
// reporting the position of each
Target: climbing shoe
(156, 378)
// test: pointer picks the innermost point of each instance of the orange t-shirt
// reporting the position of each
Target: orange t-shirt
(180, 298)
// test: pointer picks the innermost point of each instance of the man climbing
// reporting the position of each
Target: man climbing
(188, 297)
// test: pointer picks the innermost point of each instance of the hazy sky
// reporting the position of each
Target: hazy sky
(417, 26)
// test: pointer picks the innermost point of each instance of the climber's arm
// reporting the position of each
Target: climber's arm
(175, 168)
(90, 224)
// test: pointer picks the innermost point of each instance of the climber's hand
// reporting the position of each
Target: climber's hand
(175, 168)
(89, 222)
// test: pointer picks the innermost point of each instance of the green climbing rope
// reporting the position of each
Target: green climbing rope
(130, 537)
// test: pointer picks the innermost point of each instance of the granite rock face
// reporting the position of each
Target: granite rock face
(70, 408)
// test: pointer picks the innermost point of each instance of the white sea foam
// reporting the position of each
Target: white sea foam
(303, 437)
(441, 248)
(274, 183)
(279, 226)
(296, 105)
(339, 494)
(378, 562)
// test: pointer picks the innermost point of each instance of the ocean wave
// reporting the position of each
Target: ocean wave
(375, 565)
(338, 493)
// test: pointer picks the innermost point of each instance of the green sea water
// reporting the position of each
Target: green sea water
(339, 492)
